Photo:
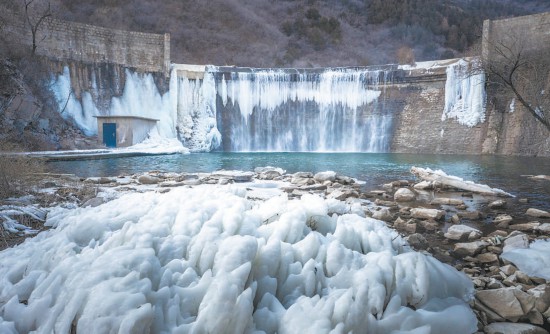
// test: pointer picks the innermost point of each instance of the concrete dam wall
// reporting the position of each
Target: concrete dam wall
(433, 107)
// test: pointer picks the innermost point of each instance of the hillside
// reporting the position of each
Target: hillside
(304, 33)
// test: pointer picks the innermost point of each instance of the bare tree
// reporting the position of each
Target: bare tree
(517, 64)
(35, 14)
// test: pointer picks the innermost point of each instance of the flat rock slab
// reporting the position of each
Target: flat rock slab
(470, 248)
(509, 303)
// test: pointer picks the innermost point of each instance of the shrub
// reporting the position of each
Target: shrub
(17, 171)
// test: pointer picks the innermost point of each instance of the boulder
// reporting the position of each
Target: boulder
(513, 328)
(423, 185)
(422, 213)
(470, 248)
(487, 258)
(537, 213)
(508, 269)
(462, 233)
(302, 181)
(404, 195)
(507, 303)
(325, 176)
(544, 228)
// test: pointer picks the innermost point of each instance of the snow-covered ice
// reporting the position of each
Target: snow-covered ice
(209, 260)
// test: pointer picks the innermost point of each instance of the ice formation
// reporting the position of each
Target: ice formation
(534, 261)
(465, 93)
(295, 110)
(140, 97)
(209, 260)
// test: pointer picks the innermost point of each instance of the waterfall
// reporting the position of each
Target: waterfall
(331, 110)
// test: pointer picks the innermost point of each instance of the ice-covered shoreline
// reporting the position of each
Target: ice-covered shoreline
(262, 251)
(176, 255)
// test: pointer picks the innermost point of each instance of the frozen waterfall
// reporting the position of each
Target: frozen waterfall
(331, 110)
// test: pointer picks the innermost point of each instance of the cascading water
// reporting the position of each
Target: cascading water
(335, 110)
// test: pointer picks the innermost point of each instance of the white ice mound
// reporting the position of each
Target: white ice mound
(534, 261)
(208, 260)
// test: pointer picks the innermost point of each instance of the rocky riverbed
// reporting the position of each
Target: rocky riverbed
(468, 226)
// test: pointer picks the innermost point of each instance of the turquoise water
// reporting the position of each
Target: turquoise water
(373, 168)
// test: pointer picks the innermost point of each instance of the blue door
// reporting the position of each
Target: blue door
(109, 134)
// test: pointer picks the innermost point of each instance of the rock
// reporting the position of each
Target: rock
(50, 184)
(269, 175)
(462, 233)
(345, 180)
(503, 221)
(525, 227)
(427, 225)
(513, 328)
(259, 170)
(93, 202)
(422, 213)
(498, 204)
(446, 201)
(542, 296)
(508, 269)
(325, 176)
(498, 233)
(487, 258)
(455, 219)
(382, 214)
(515, 241)
(522, 277)
(407, 226)
(342, 195)
(537, 213)
(192, 182)
(523, 200)
(507, 303)
(305, 175)
(315, 187)
(470, 248)
(223, 181)
(544, 228)
(472, 215)
(148, 179)
(184, 177)
(404, 195)
(417, 241)
(494, 284)
(302, 181)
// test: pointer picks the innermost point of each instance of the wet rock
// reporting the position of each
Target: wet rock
(404, 195)
(462, 233)
(345, 180)
(148, 179)
(505, 304)
(382, 214)
(513, 328)
(422, 213)
(515, 241)
(472, 215)
(537, 213)
(417, 241)
(498, 204)
(470, 248)
(325, 176)
(446, 201)
(503, 221)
